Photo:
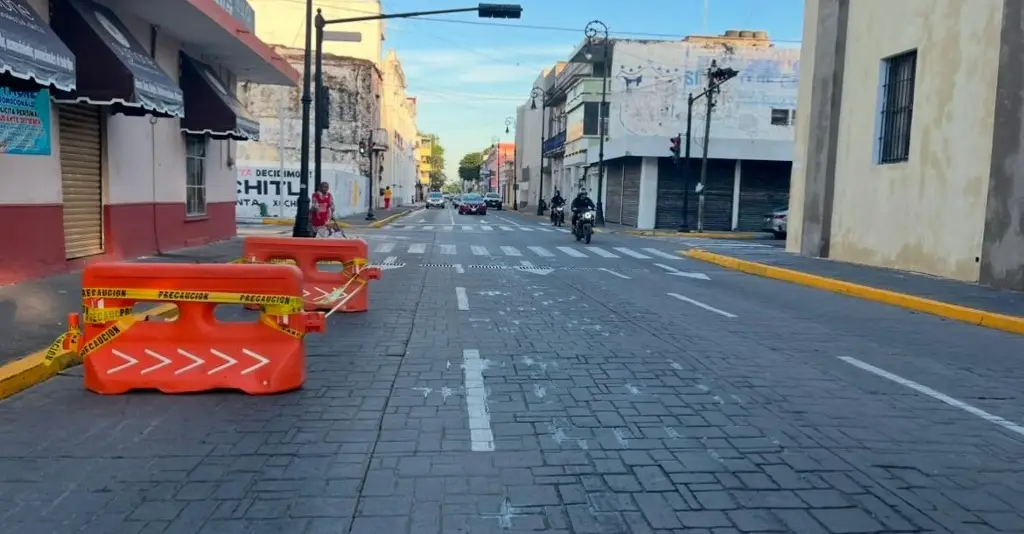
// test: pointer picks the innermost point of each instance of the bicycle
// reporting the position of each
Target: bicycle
(330, 230)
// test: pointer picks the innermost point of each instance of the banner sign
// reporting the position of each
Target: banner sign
(265, 190)
(25, 122)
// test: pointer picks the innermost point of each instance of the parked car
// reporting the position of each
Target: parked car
(456, 201)
(472, 204)
(435, 200)
(775, 222)
(493, 200)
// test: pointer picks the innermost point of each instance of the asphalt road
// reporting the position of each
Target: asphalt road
(509, 379)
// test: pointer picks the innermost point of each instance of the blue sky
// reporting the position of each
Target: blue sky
(469, 76)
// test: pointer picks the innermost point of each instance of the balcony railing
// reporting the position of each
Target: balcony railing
(554, 142)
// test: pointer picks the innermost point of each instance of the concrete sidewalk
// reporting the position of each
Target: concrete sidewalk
(899, 288)
(34, 313)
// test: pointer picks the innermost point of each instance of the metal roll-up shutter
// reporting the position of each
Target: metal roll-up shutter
(631, 191)
(81, 179)
(613, 192)
(717, 194)
(669, 212)
(764, 188)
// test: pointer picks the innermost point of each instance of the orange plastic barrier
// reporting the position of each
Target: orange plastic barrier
(195, 352)
(344, 291)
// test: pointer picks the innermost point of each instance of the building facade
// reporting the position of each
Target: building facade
(127, 128)
(283, 23)
(424, 148)
(495, 172)
(648, 83)
(909, 137)
(398, 118)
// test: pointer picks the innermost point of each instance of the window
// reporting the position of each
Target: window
(195, 175)
(781, 117)
(897, 103)
(590, 124)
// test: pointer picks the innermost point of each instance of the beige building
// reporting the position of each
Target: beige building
(909, 137)
(398, 117)
(282, 23)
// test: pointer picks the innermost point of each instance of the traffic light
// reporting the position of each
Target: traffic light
(323, 110)
(674, 148)
(720, 76)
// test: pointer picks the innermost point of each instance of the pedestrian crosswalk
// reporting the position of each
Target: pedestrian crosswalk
(476, 228)
(552, 252)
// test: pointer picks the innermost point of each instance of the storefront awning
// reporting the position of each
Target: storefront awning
(119, 72)
(210, 108)
(30, 50)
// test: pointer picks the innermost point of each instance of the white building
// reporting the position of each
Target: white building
(908, 151)
(751, 146)
(128, 121)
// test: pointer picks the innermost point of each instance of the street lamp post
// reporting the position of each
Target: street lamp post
(591, 31)
(536, 93)
(509, 121)
(493, 11)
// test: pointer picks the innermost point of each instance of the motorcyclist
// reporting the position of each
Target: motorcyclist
(556, 201)
(580, 204)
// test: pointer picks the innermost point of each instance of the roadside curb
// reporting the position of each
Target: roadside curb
(700, 235)
(945, 310)
(385, 221)
(31, 370)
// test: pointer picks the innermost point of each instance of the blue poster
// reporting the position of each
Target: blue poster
(25, 122)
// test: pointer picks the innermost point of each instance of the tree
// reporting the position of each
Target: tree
(469, 166)
(436, 160)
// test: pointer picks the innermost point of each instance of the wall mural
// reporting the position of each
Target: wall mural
(651, 82)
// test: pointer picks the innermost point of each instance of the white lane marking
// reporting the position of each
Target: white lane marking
(541, 251)
(661, 254)
(526, 228)
(632, 253)
(481, 437)
(390, 260)
(422, 221)
(700, 304)
(163, 362)
(506, 228)
(260, 361)
(228, 361)
(451, 217)
(572, 252)
(479, 251)
(563, 230)
(385, 248)
(511, 251)
(613, 273)
(447, 249)
(418, 248)
(602, 252)
(486, 228)
(458, 268)
(428, 227)
(196, 361)
(527, 264)
(543, 229)
(448, 228)
(467, 228)
(676, 272)
(462, 299)
(994, 419)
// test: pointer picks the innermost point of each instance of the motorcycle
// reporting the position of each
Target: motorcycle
(584, 226)
(558, 216)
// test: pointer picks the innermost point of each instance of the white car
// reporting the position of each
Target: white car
(775, 223)
(435, 200)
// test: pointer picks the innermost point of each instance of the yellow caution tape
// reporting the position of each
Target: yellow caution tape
(271, 322)
(68, 343)
(272, 304)
(105, 315)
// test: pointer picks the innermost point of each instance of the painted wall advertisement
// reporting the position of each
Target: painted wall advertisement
(24, 122)
(264, 190)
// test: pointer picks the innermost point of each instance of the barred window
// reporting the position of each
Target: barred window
(195, 175)
(898, 77)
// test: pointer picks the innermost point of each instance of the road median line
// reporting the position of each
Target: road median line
(21, 374)
(995, 321)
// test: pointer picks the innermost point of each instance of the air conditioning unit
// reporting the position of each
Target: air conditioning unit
(380, 140)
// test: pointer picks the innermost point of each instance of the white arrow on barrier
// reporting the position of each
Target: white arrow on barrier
(128, 359)
(258, 357)
(676, 272)
(228, 361)
(164, 361)
(196, 361)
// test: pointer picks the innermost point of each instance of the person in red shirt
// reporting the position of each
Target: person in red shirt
(322, 209)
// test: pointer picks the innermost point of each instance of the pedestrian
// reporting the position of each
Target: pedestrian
(387, 198)
(322, 208)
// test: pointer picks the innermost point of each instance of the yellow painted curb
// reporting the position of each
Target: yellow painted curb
(383, 222)
(954, 312)
(700, 235)
(31, 370)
